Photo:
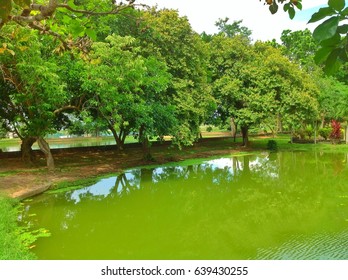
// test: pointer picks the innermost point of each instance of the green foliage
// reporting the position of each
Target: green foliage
(288, 7)
(30, 84)
(234, 29)
(171, 38)
(272, 145)
(129, 89)
(254, 84)
(5, 10)
(309, 131)
(328, 34)
(13, 239)
(333, 99)
(299, 46)
(325, 132)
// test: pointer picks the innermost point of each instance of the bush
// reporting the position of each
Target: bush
(300, 133)
(272, 145)
(309, 131)
(209, 129)
(325, 132)
(336, 132)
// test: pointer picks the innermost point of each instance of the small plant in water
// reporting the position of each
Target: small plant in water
(272, 145)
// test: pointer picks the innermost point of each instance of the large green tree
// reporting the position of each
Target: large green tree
(171, 38)
(126, 90)
(32, 93)
(254, 84)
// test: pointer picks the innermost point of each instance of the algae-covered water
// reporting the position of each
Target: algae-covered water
(291, 205)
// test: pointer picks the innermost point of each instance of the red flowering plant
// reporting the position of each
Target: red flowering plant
(336, 130)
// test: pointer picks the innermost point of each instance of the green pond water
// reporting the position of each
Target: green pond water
(291, 205)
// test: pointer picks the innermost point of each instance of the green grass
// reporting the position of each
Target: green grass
(12, 236)
(8, 173)
(283, 143)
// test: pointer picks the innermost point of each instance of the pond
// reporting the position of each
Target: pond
(286, 205)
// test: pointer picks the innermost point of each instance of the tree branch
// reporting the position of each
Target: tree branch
(65, 108)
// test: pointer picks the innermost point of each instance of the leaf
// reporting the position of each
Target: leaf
(11, 52)
(322, 13)
(91, 34)
(5, 10)
(76, 28)
(343, 55)
(338, 5)
(345, 12)
(274, 7)
(23, 3)
(332, 42)
(326, 30)
(298, 5)
(286, 7)
(332, 64)
(72, 4)
(291, 12)
(321, 55)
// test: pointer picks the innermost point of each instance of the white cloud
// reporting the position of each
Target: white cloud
(256, 16)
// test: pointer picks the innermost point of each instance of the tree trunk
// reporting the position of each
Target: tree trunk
(145, 144)
(322, 121)
(233, 129)
(346, 134)
(45, 148)
(27, 152)
(245, 135)
(279, 123)
(119, 143)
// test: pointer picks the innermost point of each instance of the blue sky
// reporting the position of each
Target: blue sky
(256, 16)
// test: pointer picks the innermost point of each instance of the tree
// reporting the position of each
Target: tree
(256, 83)
(171, 39)
(234, 29)
(240, 83)
(300, 46)
(127, 90)
(32, 93)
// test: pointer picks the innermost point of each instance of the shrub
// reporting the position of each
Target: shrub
(272, 145)
(325, 132)
(309, 131)
(336, 132)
